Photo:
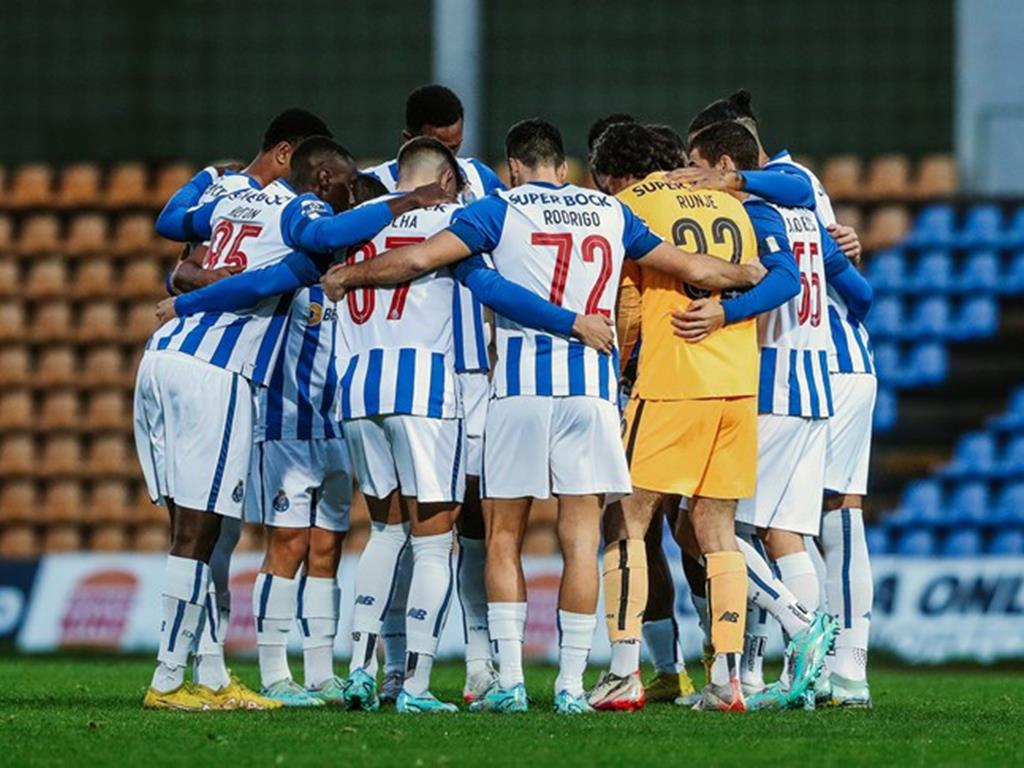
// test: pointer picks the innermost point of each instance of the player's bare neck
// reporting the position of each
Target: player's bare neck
(409, 182)
(262, 169)
(547, 174)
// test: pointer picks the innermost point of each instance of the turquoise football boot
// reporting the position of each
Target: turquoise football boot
(330, 691)
(408, 703)
(805, 656)
(291, 694)
(771, 697)
(361, 692)
(567, 704)
(502, 700)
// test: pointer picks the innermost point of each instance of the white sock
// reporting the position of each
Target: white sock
(318, 622)
(575, 637)
(182, 606)
(754, 642)
(392, 632)
(209, 668)
(768, 591)
(375, 585)
(662, 639)
(473, 598)
(723, 667)
(273, 608)
(507, 622)
(625, 657)
(850, 588)
(430, 597)
(799, 575)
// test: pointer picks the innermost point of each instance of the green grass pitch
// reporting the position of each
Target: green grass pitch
(86, 712)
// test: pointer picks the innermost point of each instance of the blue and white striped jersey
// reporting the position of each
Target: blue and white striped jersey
(566, 244)
(249, 228)
(224, 183)
(396, 350)
(794, 337)
(300, 399)
(850, 345)
(471, 333)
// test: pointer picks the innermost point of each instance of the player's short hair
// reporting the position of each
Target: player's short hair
(367, 187)
(735, 107)
(627, 150)
(535, 142)
(431, 105)
(294, 125)
(309, 154)
(671, 147)
(426, 148)
(729, 138)
(601, 124)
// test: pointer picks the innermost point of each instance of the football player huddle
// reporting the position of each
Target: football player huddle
(450, 351)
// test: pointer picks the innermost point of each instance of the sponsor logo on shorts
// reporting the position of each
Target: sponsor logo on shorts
(239, 493)
(281, 502)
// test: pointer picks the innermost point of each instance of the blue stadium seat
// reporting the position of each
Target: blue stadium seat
(932, 273)
(920, 504)
(1007, 543)
(878, 540)
(1013, 278)
(888, 364)
(930, 319)
(928, 363)
(934, 227)
(1013, 417)
(886, 319)
(965, 542)
(980, 273)
(978, 318)
(983, 227)
(886, 271)
(886, 410)
(973, 456)
(1009, 507)
(969, 504)
(1013, 235)
(1011, 462)
(916, 543)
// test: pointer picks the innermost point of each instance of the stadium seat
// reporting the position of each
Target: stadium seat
(1007, 543)
(153, 537)
(930, 319)
(888, 364)
(878, 540)
(969, 504)
(982, 227)
(168, 180)
(851, 216)
(921, 503)
(16, 409)
(62, 538)
(886, 320)
(144, 510)
(841, 176)
(51, 322)
(1013, 416)
(544, 511)
(978, 318)
(56, 366)
(64, 502)
(14, 366)
(980, 274)
(103, 365)
(10, 280)
(17, 456)
(107, 411)
(94, 278)
(962, 543)
(6, 233)
(251, 539)
(60, 410)
(19, 541)
(888, 177)
(108, 502)
(142, 279)
(974, 455)
(79, 186)
(62, 456)
(19, 501)
(886, 271)
(1013, 235)
(38, 234)
(100, 321)
(540, 541)
(928, 364)
(108, 538)
(886, 410)
(934, 227)
(932, 273)
(1011, 462)
(916, 543)
(112, 456)
(936, 177)
(87, 233)
(1013, 279)
(134, 234)
(12, 321)
(141, 321)
(47, 279)
(32, 186)
(1009, 507)
(127, 186)
(887, 226)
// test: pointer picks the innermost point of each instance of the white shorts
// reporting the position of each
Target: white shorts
(790, 475)
(193, 432)
(538, 446)
(417, 454)
(848, 451)
(475, 391)
(300, 484)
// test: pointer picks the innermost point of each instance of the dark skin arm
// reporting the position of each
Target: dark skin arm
(189, 273)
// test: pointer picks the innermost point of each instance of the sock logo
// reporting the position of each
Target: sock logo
(731, 616)
(417, 613)
(365, 600)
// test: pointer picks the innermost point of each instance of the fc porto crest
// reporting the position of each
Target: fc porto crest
(281, 502)
(239, 493)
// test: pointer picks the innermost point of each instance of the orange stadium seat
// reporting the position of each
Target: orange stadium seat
(16, 409)
(108, 502)
(62, 538)
(6, 233)
(19, 541)
(12, 321)
(544, 511)
(64, 502)
(142, 278)
(62, 456)
(112, 456)
(104, 366)
(100, 321)
(108, 410)
(143, 508)
(851, 216)
(40, 233)
(807, 162)
(127, 186)
(19, 501)
(540, 540)
(888, 178)
(936, 177)
(841, 176)
(87, 233)
(887, 226)
(14, 366)
(10, 278)
(168, 180)
(134, 233)
(79, 186)
(141, 321)
(56, 366)
(95, 279)
(153, 537)
(60, 410)
(47, 279)
(3, 185)
(251, 539)
(51, 321)
(17, 456)
(108, 538)
(32, 185)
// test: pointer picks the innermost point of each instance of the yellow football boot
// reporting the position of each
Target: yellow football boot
(184, 698)
(669, 686)
(235, 695)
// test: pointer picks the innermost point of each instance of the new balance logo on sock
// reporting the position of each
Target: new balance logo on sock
(730, 616)
(417, 613)
(365, 600)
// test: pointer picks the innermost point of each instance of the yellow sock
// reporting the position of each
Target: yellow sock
(727, 600)
(625, 588)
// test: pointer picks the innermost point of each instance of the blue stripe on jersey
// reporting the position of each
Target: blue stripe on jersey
(304, 375)
(435, 405)
(269, 342)
(275, 401)
(812, 389)
(482, 361)
(458, 340)
(225, 443)
(515, 353)
(793, 383)
(195, 337)
(542, 373)
(823, 362)
(166, 340)
(346, 389)
(766, 386)
(226, 345)
(603, 370)
(371, 389)
(858, 337)
(406, 380)
(842, 348)
(330, 387)
(577, 373)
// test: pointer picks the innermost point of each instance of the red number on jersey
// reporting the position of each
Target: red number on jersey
(562, 241)
(598, 243)
(810, 288)
(397, 307)
(224, 233)
(361, 300)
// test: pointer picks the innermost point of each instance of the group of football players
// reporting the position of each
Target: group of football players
(327, 329)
